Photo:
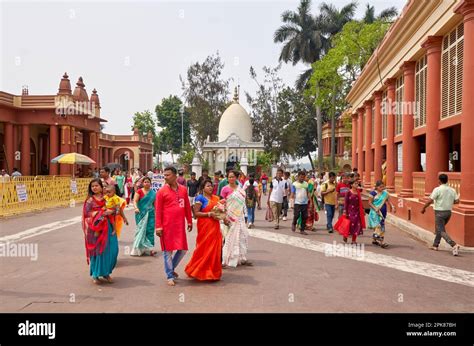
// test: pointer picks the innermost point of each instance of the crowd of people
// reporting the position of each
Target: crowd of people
(224, 208)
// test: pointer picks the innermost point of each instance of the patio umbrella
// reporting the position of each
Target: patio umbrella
(73, 159)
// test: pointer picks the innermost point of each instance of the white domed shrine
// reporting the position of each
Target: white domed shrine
(234, 140)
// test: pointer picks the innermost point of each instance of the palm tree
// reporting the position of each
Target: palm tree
(302, 37)
(333, 20)
(386, 15)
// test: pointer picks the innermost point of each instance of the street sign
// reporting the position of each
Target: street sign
(157, 182)
(21, 192)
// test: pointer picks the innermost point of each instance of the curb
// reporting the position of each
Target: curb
(421, 234)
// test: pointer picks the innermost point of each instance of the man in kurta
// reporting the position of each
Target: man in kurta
(172, 210)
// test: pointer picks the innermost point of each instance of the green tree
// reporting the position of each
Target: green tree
(337, 70)
(168, 115)
(145, 123)
(269, 112)
(187, 155)
(207, 94)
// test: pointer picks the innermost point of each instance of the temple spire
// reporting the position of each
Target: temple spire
(236, 94)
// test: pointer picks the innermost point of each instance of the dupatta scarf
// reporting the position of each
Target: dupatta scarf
(95, 225)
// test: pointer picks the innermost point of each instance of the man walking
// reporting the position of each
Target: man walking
(300, 194)
(193, 187)
(105, 176)
(171, 209)
(275, 196)
(328, 191)
(443, 197)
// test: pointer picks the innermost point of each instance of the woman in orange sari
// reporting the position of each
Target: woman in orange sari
(205, 263)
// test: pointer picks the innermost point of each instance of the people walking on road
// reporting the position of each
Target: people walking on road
(205, 264)
(328, 191)
(286, 195)
(264, 180)
(120, 180)
(193, 187)
(275, 196)
(172, 209)
(341, 190)
(313, 206)
(128, 187)
(235, 247)
(354, 210)
(224, 182)
(101, 244)
(105, 176)
(144, 202)
(300, 194)
(443, 197)
(251, 196)
(217, 180)
(378, 200)
(181, 180)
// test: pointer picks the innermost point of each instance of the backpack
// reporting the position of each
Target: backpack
(250, 196)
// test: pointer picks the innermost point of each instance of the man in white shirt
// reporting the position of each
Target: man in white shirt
(443, 197)
(16, 173)
(275, 196)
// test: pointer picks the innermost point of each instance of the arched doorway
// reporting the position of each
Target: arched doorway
(125, 158)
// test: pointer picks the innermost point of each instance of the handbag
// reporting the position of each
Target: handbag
(342, 226)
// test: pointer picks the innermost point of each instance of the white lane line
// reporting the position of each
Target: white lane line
(33, 232)
(458, 276)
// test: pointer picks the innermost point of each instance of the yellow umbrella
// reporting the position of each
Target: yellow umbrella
(73, 159)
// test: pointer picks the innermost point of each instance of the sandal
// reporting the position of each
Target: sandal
(384, 245)
(435, 248)
(108, 278)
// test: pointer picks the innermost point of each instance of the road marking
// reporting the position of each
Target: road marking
(458, 276)
(33, 232)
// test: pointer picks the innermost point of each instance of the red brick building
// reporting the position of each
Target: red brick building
(414, 106)
(45, 126)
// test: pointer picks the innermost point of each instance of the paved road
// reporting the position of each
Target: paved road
(292, 273)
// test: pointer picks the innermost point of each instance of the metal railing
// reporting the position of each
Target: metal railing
(32, 193)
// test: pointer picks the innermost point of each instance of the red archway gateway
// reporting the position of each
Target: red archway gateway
(124, 156)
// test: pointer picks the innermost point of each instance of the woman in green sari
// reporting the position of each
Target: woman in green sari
(377, 200)
(144, 202)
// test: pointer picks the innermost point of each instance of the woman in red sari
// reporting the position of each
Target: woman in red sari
(100, 239)
(205, 263)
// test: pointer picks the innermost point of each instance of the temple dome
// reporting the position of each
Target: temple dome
(236, 120)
